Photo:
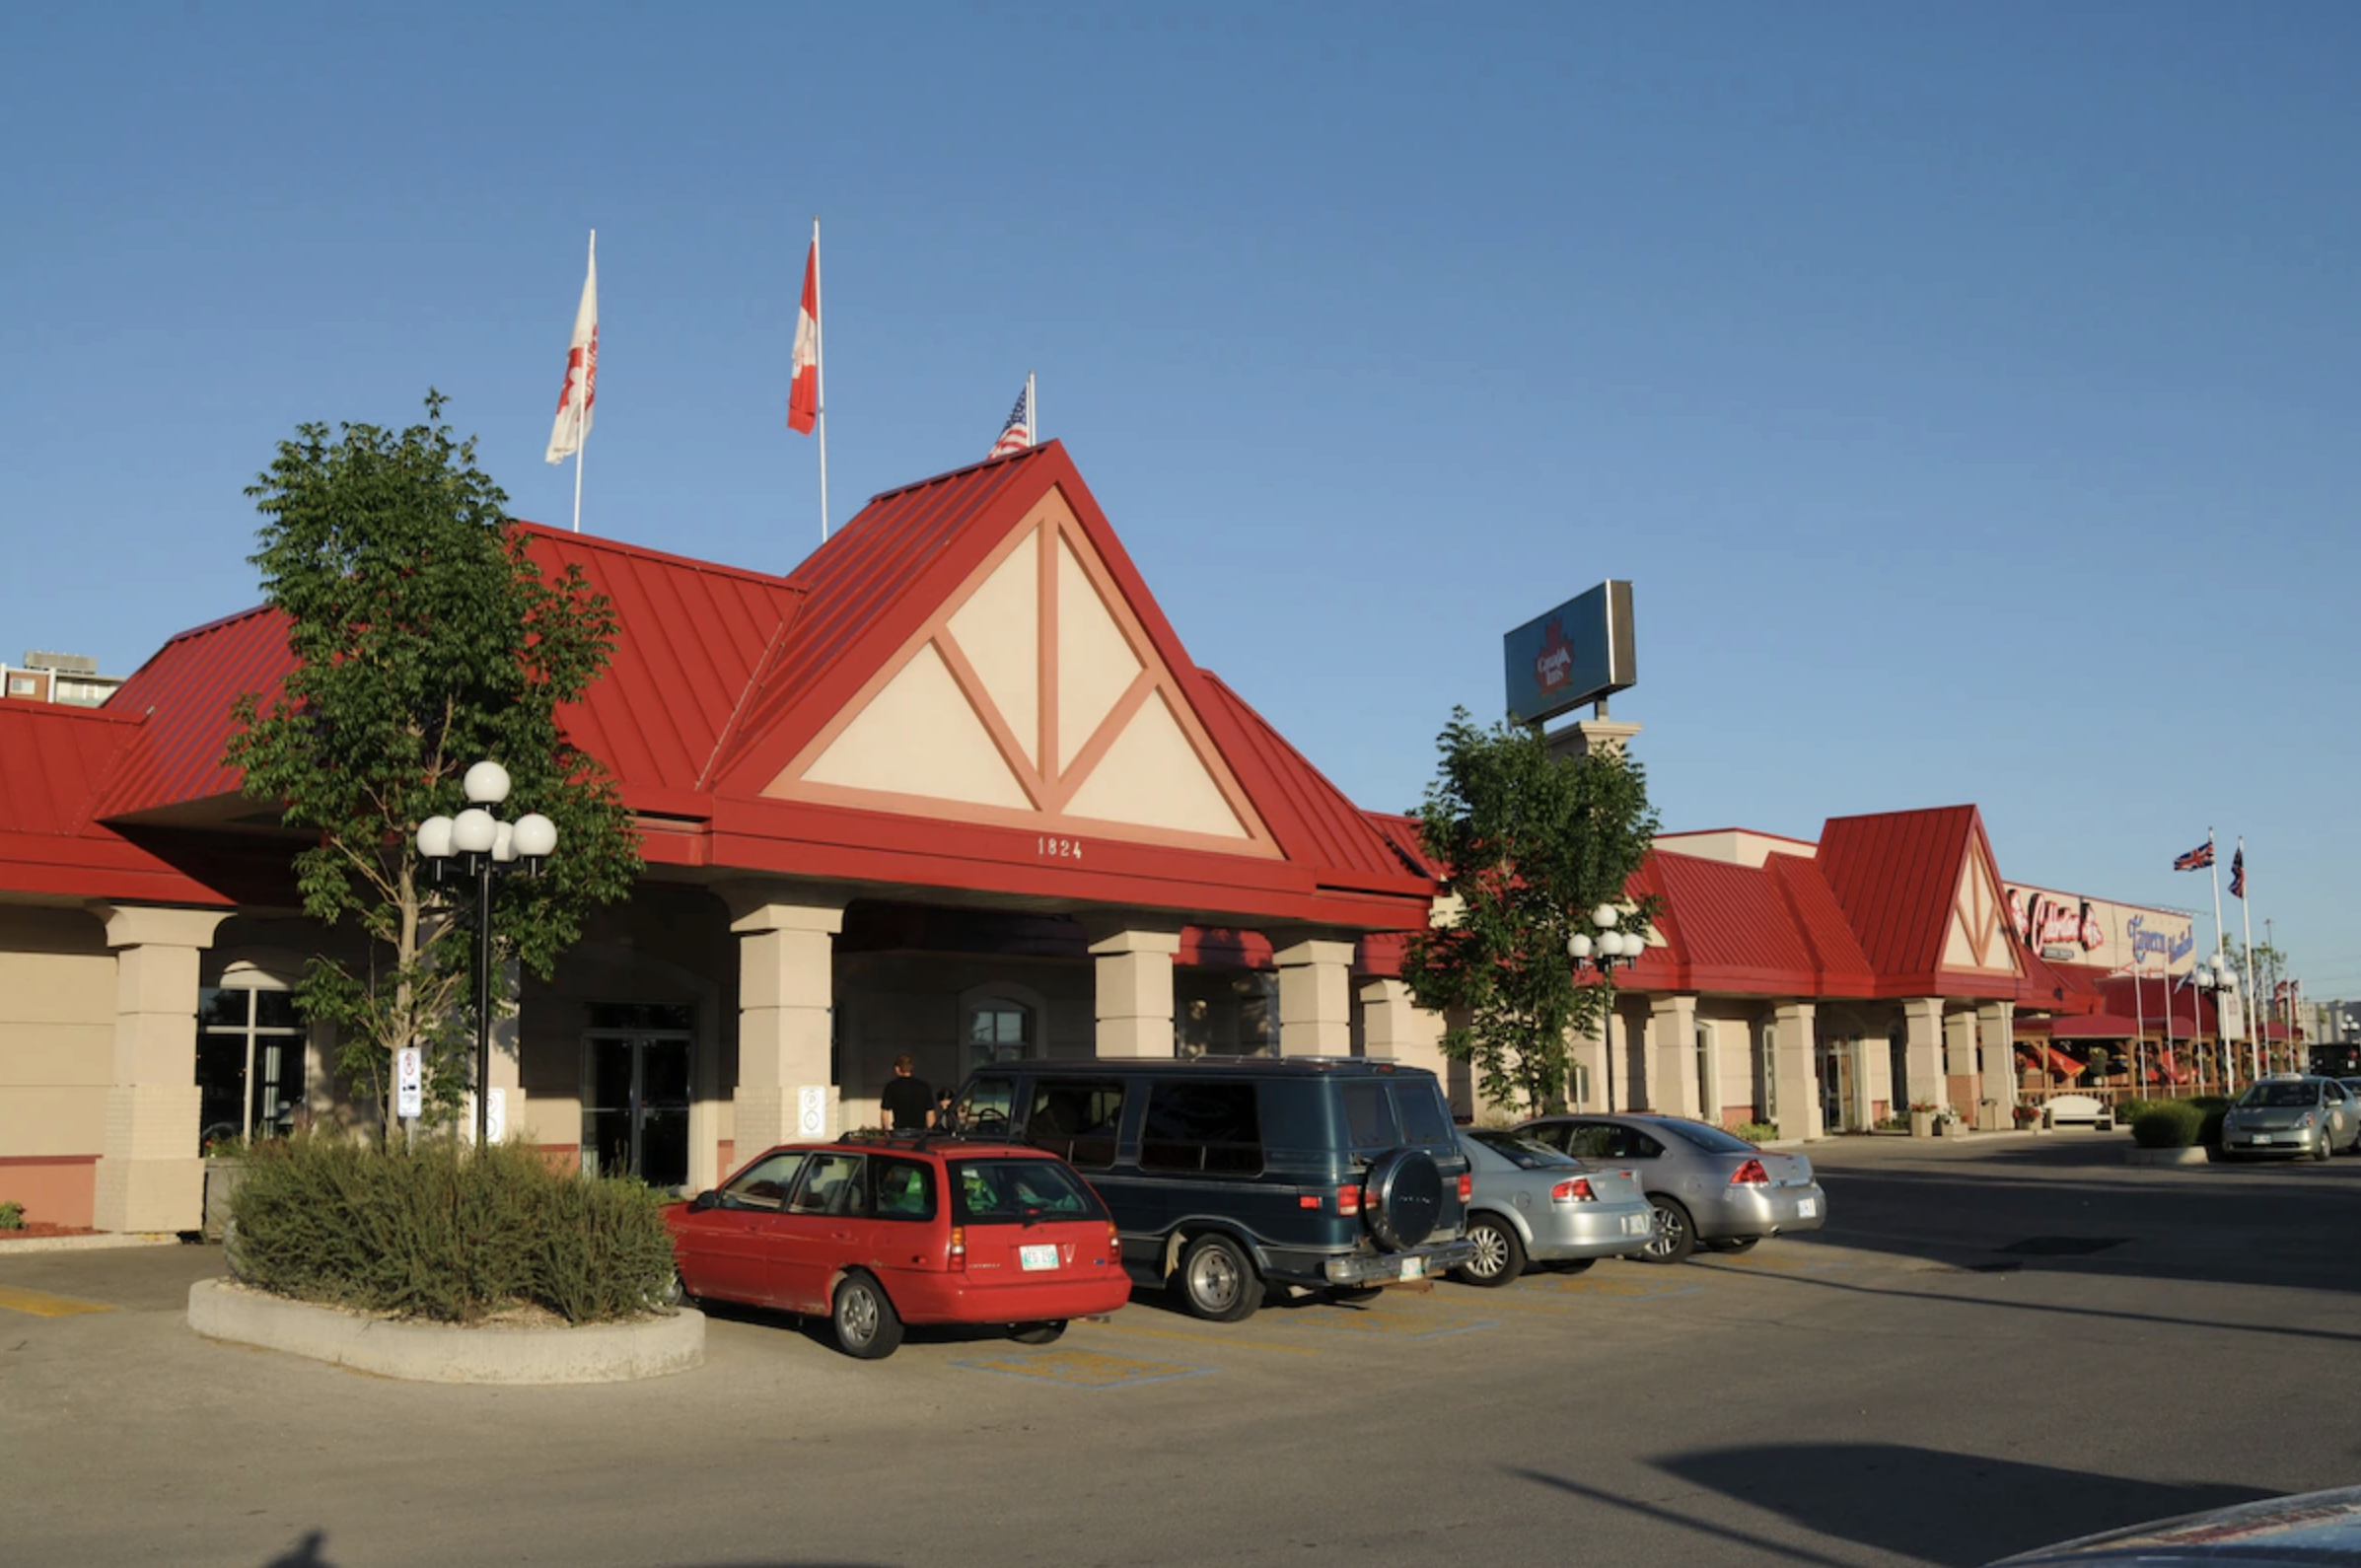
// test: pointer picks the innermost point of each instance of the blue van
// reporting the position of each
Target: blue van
(1229, 1175)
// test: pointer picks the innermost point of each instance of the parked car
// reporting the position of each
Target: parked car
(1707, 1186)
(1230, 1175)
(878, 1232)
(1536, 1203)
(2292, 1117)
(2309, 1529)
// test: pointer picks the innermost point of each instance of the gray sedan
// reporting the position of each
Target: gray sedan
(1533, 1202)
(2292, 1117)
(1708, 1186)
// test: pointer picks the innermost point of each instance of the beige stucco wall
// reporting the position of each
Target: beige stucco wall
(57, 983)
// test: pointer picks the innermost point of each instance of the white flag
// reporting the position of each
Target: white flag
(581, 392)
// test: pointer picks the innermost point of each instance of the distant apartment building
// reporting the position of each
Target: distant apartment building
(70, 679)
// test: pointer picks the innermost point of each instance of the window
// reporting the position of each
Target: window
(764, 1185)
(1202, 1127)
(1019, 1193)
(999, 1030)
(1425, 1118)
(249, 1063)
(905, 1190)
(1224, 1012)
(1075, 1120)
(832, 1186)
(1368, 1116)
(22, 686)
(983, 1112)
(1607, 1140)
(1522, 1152)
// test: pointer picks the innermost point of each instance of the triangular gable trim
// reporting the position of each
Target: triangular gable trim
(1975, 934)
(1082, 728)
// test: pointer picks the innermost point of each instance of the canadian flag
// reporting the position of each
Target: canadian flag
(803, 397)
(582, 369)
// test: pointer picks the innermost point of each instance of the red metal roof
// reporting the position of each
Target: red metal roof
(184, 692)
(53, 763)
(1756, 930)
(1897, 876)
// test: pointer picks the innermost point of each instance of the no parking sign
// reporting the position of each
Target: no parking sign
(409, 1083)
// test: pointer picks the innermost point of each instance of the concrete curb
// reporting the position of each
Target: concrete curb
(446, 1352)
(2194, 1155)
(104, 1241)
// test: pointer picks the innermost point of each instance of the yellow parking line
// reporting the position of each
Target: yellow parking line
(41, 1303)
(1214, 1339)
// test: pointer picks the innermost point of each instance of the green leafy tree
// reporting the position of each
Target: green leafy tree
(1529, 843)
(426, 639)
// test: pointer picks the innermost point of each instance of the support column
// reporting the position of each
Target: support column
(1791, 1070)
(786, 987)
(1393, 1026)
(1316, 999)
(1710, 1075)
(1922, 1017)
(1587, 1051)
(1996, 1026)
(1134, 971)
(1876, 1077)
(1673, 1058)
(150, 1176)
(1958, 1062)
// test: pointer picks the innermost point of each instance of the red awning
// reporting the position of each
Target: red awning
(2093, 1025)
(2061, 1063)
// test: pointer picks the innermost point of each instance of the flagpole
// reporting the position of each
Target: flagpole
(2140, 1030)
(1033, 411)
(2246, 908)
(819, 377)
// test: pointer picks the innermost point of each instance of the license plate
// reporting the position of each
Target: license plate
(1044, 1255)
(1807, 1208)
(1414, 1268)
(2262, 1137)
(1637, 1224)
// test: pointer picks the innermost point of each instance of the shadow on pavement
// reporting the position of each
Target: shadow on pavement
(305, 1553)
(1953, 1509)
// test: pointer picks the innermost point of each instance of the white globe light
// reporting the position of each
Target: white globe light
(1603, 917)
(1578, 946)
(1613, 945)
(473, 832)
(434, 837)
(504, 841)
(486, 784)
(536, 835)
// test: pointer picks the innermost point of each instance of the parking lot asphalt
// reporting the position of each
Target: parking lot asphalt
(1998, 1342)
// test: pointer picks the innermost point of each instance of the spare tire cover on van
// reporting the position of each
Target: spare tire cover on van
(1404, 1198)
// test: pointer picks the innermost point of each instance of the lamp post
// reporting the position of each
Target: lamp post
(2216, 979)
(478, 845)
(1603, 952)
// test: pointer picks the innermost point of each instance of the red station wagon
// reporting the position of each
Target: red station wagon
(881, 1231)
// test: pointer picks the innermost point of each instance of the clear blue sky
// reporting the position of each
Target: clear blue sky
(1969, 389)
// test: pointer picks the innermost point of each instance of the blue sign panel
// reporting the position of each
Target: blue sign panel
(1575, 654)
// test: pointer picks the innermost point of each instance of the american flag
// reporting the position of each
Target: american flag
(1018, 435)
(2238, 873)
(2196, 859)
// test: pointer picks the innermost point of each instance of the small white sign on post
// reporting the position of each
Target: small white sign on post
(812, 1112)
(495, 1116)
(409, 1083)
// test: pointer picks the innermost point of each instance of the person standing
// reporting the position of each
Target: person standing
(909, 1104)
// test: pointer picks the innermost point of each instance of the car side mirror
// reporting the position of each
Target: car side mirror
(707, 1199)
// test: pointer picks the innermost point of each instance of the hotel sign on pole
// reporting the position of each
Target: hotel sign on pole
(1578, 653)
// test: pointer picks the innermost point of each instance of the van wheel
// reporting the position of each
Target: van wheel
(1499, 1253)
(1217, 1282)
(868, 1327)
(1047, 1333)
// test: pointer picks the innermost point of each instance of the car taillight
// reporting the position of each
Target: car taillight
(1750, 1175)
(1466, 1188)
(1348, 1201)
(958, 1248)
(1577, 1191)
(1114, 1243)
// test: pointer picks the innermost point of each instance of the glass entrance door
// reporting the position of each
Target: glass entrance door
(635, 1094)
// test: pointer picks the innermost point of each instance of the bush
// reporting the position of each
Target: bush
(1756, 1131)
(2128, 1111)
(445, 1233)
(2173, 1124)
(12, 1216)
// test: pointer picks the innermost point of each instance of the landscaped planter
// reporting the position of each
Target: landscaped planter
(1922, 1124)
(421, 1352)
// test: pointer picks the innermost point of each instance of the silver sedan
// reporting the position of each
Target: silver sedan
(1708, 1186)
(1533, 1202)
(2292, 1117)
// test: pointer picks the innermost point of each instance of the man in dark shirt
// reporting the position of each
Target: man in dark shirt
(907, 1102)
